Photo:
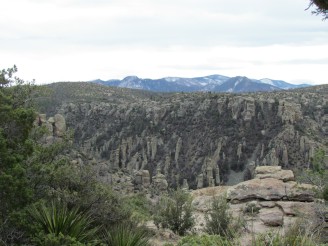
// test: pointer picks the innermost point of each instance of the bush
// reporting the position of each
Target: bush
(218, 219)
(251, 209)
(175, 212)
(56, 240)
(139, 205)
(60, 224)
(205, 240)
(127, 235)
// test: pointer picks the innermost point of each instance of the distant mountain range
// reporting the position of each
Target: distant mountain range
(214, 83)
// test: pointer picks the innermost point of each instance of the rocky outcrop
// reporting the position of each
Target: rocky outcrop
(59, 125)
(274, 172)
(55, 126)
(289, 112)
(270, 201)
(271, 183)
(142, 180)
(270, 189)
(159, 184)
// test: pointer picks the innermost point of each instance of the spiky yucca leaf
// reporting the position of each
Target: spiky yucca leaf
(58, 219)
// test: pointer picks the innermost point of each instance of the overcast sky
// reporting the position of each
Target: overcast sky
(80, 40)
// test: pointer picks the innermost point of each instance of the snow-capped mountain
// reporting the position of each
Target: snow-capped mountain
(243, 84)
(282, 84)
(218, 83)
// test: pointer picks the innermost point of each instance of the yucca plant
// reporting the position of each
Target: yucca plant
(58, 220)
(127, 235)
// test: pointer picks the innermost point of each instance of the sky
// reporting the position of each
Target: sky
(82, 40)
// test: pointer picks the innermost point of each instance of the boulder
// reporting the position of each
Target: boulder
(271, 216)
(275, 172)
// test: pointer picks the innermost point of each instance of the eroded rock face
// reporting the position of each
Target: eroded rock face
(159, 184)
(59, 125)
(142, 179)
(56, 126)
(268, 203)
(192, 134)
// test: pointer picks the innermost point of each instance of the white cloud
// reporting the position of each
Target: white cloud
(53, 40)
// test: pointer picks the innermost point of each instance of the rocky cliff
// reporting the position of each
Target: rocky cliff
(199, 139)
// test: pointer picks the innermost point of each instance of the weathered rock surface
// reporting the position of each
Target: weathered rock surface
(271, 216)
(296, 208)
(59, 125)
(270, 189)
(142, 179)
(271, 183)
(266, 203)
(56, 126)
(275, 172)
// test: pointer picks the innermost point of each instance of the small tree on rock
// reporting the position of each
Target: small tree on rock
(218, 218)
(175, 212)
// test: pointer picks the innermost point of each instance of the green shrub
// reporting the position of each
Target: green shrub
(175, 212)
(251, 209)
(57, 220)
(56, 240)
(127, 235)
(205, 240)
(139, 205)
(218, 219)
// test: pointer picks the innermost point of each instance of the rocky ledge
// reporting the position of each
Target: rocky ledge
(270, 201)
(271, 183)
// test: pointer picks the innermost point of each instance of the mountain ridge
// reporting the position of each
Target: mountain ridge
(213, 83)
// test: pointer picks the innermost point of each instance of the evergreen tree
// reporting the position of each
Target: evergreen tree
(321, 8)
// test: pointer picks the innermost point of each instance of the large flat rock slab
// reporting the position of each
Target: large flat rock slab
(270, 189)
(275, 172)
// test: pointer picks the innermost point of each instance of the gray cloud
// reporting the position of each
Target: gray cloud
(198, 23)
(51, 30)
